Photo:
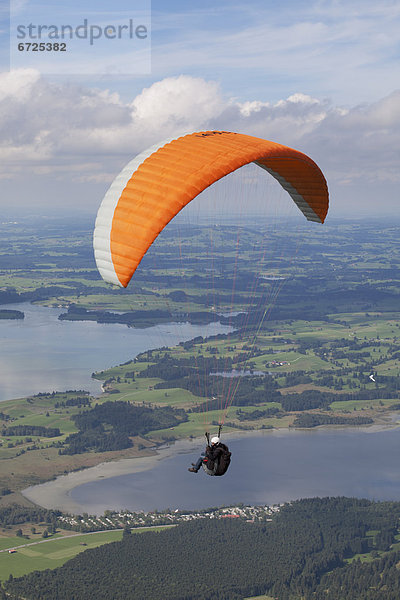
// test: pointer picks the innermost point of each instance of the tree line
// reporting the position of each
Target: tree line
(37, 430)
(15, 515)
(308, 420)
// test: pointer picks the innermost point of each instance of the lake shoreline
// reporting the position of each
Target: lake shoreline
(56, 493)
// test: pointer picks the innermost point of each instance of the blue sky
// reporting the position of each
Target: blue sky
(320, 76)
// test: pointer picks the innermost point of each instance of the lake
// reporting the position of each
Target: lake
(43, 354)
(271, 468)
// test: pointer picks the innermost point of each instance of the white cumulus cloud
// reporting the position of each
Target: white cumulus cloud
(77, 133)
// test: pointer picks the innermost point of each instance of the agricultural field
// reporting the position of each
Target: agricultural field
(48, 554)
(311, 356)
(28, 555)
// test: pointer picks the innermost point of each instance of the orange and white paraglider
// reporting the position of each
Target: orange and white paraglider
(158, 183)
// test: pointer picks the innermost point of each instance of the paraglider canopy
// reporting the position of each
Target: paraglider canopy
(157, 184)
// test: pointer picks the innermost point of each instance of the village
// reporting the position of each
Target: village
(127, 519)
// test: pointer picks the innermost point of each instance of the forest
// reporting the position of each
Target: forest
(310, 549)
(139, 318)
(16, 515)
(111, 425)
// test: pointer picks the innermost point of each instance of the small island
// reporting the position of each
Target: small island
(11, 314)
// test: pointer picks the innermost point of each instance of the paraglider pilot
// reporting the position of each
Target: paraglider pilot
(216, 454)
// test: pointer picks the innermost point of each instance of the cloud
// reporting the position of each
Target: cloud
(362, 143)
(43, 124)
(176, 104)
(18, 84)
(46, 124)
(79, 134)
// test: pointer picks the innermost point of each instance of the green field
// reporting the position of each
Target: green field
(49, 554)
(52, 553)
